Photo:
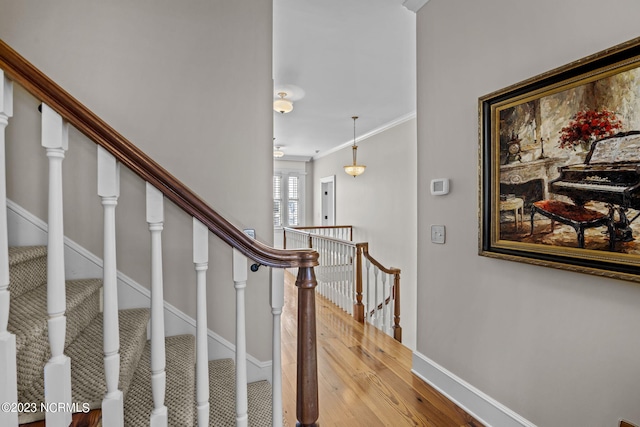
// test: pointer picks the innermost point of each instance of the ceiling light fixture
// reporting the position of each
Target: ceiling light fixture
(277, 153)
(355, 169)
(282, 105)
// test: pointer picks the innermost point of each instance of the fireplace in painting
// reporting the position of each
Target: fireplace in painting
(530, 191)
(514, 178)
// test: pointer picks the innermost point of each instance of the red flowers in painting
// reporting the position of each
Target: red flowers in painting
(589, 125)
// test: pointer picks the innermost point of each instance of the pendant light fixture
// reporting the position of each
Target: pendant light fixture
(282, 105)
(355, 169)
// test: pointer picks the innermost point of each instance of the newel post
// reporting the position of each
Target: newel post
(358, 308)
(307, 383)
(397, 329)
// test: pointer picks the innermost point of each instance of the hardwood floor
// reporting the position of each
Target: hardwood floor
(91, 419)
(364, 375)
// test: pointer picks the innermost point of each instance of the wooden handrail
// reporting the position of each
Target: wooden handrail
(46, 90)
(312, 235)
(21, 71)
(326, 227)
(363, 249)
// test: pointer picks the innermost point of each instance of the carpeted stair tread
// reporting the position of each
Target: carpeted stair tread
(28, 321)
(27, 268)
(28, 313)
(88, 356)
(260, 404)
(180, 395)
(87, 360)
(222, 397)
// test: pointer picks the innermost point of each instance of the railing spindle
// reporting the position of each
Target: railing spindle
(240, 283)
(358, 309)
(109, 191)
(370, 294)
(155, 219)
(8, 370)
(277, 302)
(57, 371)
(201, 262)
(384, 306)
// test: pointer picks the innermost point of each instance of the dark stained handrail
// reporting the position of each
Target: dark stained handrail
(21, 71)
(363, 250)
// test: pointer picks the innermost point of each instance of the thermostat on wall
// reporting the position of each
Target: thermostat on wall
(440, 186)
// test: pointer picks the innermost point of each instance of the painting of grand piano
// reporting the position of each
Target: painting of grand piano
(560, 167)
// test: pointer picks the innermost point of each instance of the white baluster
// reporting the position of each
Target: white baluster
(277, 302)
(351, 276)
(391, 305)
(8, 374)
(338, 275)
(155, 218)
(240, 283)
(109, 191)
(385, 311)
(201, 262)
(57, 371)
(370, 293)
(316, 244)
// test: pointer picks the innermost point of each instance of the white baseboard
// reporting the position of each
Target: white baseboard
(482, 407)
(25, 229)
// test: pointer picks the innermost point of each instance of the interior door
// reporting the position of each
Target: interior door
(328, 199)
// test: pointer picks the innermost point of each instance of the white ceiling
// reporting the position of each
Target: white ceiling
(338, 59)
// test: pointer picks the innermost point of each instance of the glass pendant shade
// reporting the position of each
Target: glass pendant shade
(277, 153)
(282, 105)
(354, 169)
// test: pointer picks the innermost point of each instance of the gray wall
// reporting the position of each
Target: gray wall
(190, 84)
(381, 205)
(556, 347)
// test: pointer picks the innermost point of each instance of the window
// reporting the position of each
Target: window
(292, 215)
(288, 199)
(277, 201)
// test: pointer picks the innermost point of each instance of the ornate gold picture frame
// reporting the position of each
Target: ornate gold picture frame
(559, 163)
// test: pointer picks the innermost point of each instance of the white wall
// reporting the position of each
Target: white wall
(557, 347)
(189, 83)
(381, 205)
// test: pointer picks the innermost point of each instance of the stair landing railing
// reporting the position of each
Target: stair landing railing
(350, 277)
(59, 111)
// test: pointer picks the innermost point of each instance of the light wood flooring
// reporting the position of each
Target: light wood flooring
(364, 375)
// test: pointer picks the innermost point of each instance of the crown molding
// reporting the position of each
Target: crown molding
(376, 131)
(414, 5)
(290, 158)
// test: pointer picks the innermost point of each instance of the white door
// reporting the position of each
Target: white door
(328, 188)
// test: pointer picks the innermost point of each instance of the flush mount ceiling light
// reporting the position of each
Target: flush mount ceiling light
(355, 169)
(277, 152)
(282, 105)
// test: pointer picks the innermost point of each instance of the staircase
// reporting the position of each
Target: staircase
(66, 347)
(28, 321)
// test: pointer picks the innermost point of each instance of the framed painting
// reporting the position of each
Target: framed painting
(560, 167)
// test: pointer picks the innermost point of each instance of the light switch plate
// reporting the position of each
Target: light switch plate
(437, 234)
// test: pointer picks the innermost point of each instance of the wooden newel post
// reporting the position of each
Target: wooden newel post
(358, 308)
(307, 382)
(397, 329)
